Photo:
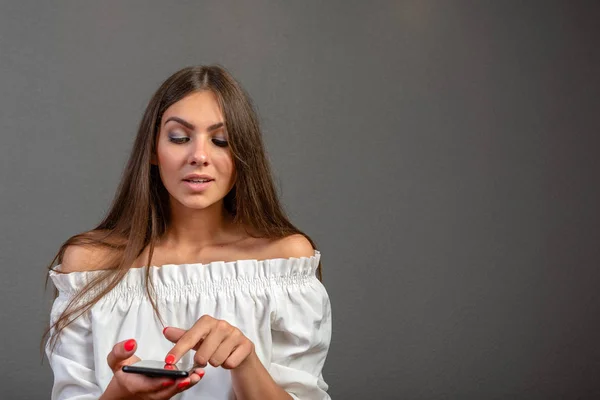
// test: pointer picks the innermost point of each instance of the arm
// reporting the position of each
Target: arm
(252, 381)
(301, 332)
(301, 337)
(298, 355)
(72, 360)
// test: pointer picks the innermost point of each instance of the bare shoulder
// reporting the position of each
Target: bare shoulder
(79, 258)
(296, 245)
(292, 246)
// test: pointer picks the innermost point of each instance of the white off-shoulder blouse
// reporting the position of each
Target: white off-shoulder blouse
(279, 304)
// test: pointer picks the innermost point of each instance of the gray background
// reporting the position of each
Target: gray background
(444, 154)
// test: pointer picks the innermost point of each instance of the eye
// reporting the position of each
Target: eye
(178, 139)
(220, 142)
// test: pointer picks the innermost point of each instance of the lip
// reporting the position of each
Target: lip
(198, 176)
(197, 187)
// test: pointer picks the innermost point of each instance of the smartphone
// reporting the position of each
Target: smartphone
(159, 369)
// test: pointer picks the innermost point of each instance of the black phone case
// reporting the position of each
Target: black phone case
(155, 372)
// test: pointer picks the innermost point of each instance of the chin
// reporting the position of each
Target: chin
(196, 204)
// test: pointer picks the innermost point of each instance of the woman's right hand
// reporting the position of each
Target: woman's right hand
(136, 386)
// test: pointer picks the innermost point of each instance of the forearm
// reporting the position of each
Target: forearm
(251, 381)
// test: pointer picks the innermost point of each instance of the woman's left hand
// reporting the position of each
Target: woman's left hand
(216, 343)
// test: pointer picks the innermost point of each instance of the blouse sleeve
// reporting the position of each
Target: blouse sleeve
(301, 335)
(72, 359)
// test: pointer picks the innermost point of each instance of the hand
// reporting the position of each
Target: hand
(216, 343)
(135, 386)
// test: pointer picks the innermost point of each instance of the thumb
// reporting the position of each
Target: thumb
(122, 354)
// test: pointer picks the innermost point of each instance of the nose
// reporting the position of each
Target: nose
(200, 153)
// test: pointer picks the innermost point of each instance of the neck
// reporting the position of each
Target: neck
(192, 230)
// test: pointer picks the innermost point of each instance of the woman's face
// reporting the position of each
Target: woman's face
(193, 156)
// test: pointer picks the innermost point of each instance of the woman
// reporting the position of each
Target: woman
(195, 262)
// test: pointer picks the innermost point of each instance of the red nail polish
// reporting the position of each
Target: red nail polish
(183, 384)
(164, 330)
(201, 374)
(167, 383)
(170, 359)
(129, 345)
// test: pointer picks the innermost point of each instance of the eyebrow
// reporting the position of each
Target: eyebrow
(191, 126)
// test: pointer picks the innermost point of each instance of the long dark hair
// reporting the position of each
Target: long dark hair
(139, 214)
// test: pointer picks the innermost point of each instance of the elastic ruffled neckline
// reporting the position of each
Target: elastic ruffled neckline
(215, 276)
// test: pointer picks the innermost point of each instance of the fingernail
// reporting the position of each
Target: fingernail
(183, 384)
(129, 345)
(164, 330)
(167, 383)
(170, 359)
(201, 374)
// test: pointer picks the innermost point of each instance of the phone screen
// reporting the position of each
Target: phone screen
(159, 369)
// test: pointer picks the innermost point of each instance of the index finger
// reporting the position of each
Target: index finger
(189, 340)
(173, 334)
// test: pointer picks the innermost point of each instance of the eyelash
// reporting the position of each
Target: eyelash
(220, 142)
(181, 140)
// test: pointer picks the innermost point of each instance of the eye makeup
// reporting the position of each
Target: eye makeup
(220, 142)
(178, 139)
(184, 139)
